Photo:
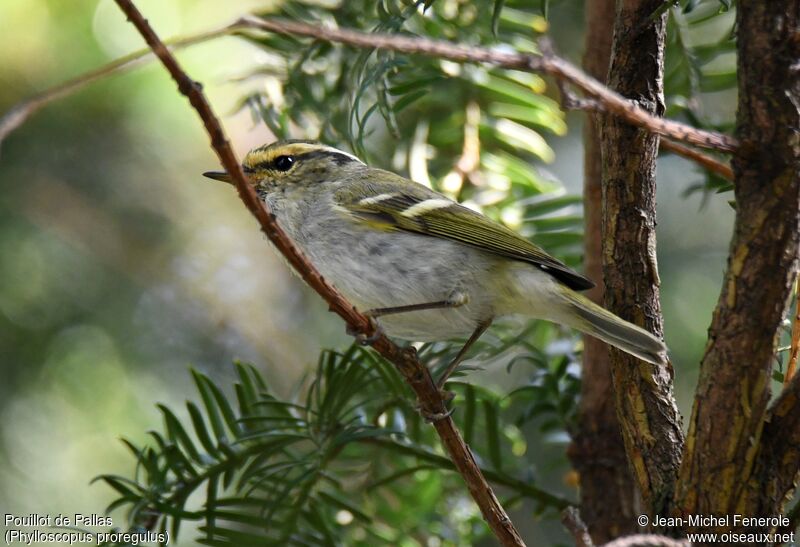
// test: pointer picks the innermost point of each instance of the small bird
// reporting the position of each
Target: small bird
(424, 266)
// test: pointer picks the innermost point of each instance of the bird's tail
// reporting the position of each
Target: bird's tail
(591, 319)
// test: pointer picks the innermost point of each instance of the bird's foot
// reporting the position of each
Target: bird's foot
(433, 417)
(366, 339)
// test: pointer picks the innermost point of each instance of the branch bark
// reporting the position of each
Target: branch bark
(706, 162)
(415, 373)
(608, 493)
(651, 425)
(569, 101)
(749, 465)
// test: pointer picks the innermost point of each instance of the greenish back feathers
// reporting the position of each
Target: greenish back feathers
(416, 208)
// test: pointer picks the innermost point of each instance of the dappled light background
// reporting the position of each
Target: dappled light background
(121, 267)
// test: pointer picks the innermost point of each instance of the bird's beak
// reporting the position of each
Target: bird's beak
(219, 175)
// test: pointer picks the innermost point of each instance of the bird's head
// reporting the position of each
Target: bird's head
(284, 164)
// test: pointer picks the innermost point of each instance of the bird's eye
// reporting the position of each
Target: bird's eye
(284, 163)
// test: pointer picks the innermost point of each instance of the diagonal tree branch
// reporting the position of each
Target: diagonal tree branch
(705, 161)
(651, 423)
(571, 102)
(417, 375)
(549, 64)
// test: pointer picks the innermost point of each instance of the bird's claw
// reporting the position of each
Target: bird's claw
(366, 339)
(433, 417)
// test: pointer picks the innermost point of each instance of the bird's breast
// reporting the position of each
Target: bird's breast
(381, 269)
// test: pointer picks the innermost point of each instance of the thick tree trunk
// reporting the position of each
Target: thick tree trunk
(646, 408)
(748, 464)
(609, 501)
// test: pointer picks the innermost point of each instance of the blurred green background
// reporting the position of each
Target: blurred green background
(120, 266)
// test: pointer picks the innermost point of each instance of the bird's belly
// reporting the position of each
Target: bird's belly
(389, 269)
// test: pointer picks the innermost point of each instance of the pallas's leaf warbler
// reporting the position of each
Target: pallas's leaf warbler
(425, 266)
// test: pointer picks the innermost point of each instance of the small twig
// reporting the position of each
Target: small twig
(571, 101)
(415, 373)
(647, 540)
(790, 368)
(19, 113)
(571, 519)
(708, 162)
(568, 99)
(550, 64)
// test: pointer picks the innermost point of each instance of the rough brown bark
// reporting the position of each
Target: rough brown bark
(749, 464)
(607, 491)
(646, 408)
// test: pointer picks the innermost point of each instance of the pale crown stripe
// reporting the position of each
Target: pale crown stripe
(372, 200)
(426, 206)
(342, 152)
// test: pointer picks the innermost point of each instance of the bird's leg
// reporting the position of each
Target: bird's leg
(448, 395)
(364, 339)
(479, 330)
(455, 300)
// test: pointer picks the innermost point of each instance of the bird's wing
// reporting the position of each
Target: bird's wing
(394, 203)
